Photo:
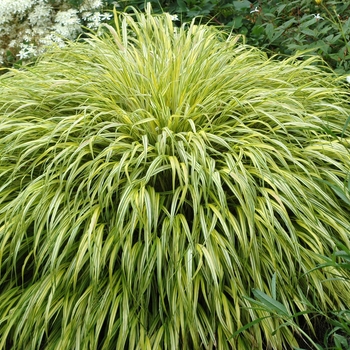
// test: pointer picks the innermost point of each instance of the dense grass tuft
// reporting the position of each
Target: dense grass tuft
(151, 178)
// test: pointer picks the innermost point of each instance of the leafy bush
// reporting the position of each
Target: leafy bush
(287, 27)
(282, 27)
(152, 177)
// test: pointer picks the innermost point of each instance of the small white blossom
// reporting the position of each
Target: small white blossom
(91, 4)
(39, 31)
(348, 79)
(318, 16)
(22, 55)
(255, 10)
(68, 17)
(27, 51)
(85, 15)
(12, 43)
(105, 16)
(95, 4)
(5, 18)
(94, 20)
(28, 36)
(39, 14)
(174, 18)
(67, 23)
(52, 39)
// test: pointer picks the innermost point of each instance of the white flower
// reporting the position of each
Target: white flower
(39, 31)
(95, 4)
(68, 17)
(174, 18)
(67, 24)
(94, 20)
(28, 36)
(52, 39)
(91, 4)
(22, 55)
(39, 14)
(255, 10)
(348, 79)
(12, 43)
(317, 16)
(105, 16)
(85, 15)
(27, 51)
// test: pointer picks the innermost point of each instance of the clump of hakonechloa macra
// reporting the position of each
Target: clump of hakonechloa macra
(151, 178)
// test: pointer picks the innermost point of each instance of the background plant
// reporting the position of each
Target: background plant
(339, 333)
(151, 178)
(28, 27)
(289, 27)
(333, 327)
(279, 27)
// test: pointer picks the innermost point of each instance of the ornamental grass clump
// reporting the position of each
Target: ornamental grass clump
(152, 177)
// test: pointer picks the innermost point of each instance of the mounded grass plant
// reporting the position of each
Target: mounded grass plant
(152, 177)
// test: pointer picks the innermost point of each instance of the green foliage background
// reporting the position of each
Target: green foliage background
(279, 27)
